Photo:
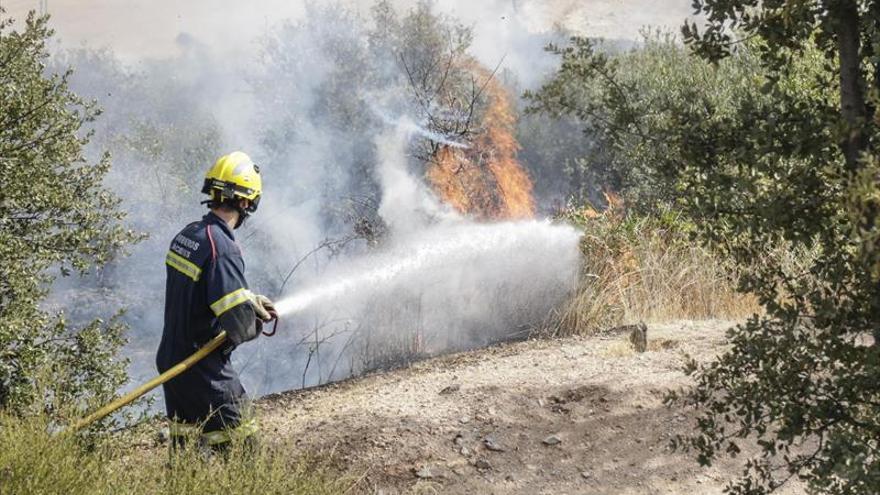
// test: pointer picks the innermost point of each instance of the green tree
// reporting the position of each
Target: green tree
(629, 103)
(768, 141)
(807, 374)
(55, 216)
(847, 31)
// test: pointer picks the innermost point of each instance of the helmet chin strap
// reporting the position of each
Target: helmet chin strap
(244, 212)
(242, 215)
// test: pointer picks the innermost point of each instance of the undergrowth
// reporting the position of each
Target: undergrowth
(645, 268)
(33, 460)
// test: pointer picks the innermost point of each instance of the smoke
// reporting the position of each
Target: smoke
(406, 204)
(428, 238)
(440, 282)
(515, 28)
(372, 268)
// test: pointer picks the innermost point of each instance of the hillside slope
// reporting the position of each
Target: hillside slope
(580, 415)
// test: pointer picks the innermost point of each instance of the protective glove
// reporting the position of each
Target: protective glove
(265, 308)
(241, 324)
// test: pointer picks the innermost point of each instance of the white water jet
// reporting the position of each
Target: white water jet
(497, 252)
(404, 123)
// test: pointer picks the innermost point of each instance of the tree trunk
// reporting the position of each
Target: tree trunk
(870, 109)
(874, 14)
(852, 99)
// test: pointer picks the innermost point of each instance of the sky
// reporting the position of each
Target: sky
(137, 29)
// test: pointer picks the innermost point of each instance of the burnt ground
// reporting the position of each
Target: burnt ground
(566, 416)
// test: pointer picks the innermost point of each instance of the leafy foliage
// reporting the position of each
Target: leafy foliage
(758, 153)
(54, 214)
(846, 31)
(631, 103)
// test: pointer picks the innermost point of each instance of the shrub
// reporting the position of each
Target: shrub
(55, 214)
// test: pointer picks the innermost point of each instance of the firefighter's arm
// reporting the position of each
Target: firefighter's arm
(231, 301)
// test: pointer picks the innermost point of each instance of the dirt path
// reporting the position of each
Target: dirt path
(581, 415)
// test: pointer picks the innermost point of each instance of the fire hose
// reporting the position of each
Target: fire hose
(172, 372)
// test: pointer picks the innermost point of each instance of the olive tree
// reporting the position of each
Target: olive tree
(55, 217)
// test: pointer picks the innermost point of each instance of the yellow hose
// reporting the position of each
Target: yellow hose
(155, 382)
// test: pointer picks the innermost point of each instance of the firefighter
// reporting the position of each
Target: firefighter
(206, 292)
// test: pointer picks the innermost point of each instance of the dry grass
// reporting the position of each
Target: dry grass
(617, 349)
(35, 461)
(646, 269)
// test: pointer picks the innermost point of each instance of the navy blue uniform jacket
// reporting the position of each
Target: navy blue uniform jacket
(205, 290)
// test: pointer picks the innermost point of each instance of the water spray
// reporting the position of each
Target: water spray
(411, 127)
(387, 270)
(450, 244)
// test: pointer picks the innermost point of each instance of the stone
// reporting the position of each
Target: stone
(492, 444)
(552, 440)
(455, 387)
(638, 337)
(482, 464)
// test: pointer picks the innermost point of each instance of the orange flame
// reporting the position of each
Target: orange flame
(486, 180)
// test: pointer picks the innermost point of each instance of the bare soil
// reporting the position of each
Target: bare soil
(566, 416)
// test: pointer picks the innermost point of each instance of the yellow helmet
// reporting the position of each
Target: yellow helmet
(234, 176)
